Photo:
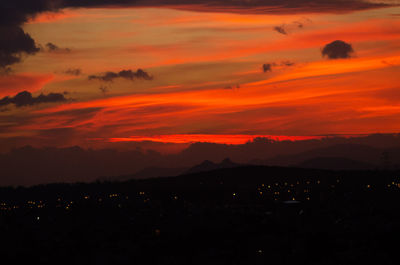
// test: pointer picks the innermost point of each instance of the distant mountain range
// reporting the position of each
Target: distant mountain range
(356, 152)
(30, 166)
(335, 163)
(150, 172)
(153, 172)
(209, 165)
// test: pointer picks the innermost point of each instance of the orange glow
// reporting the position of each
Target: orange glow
(220, 139)
(336, 67)
(12, 84)
(209, 84)
(49, 17)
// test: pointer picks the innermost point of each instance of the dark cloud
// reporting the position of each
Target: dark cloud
(140, 74)
(25, 98)
(267, 6)
(108, 77)
(299, 24)
(267, 67)
(126, 74)
(51, 47)
(73, 71)
(14, 44)
(287, 63)
(286, 29)
(103, 90)
(337, 50)
(237, 86)
(280, 29)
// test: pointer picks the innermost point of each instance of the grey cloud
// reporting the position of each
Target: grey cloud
(14, 44)
(267, 67)
(299, 24)
(287, 63)
(51, 47)
(126, 74)
(293, 26)
(103, 90)
(25, 98)
(280, 29)
(337, 49)
(237, 86)
(73, 71)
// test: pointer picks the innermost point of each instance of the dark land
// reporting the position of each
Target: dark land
(29, 165)
(238, 215)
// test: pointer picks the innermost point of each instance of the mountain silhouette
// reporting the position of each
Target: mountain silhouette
(31, 165)
(209, 166)
(151, 172)
(354, 152)
(336, 163)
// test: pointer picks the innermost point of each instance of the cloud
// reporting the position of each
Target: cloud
(25, 98)
(108, 77)
(14, 44)
(126, 74)
(287, 63)
(299, 24)
(51, 47)
(285, 29)
(103, 90)
(73, 71)
(280, 29)
(337, 50)
(232, 86)
(268, 6)
(267, 67)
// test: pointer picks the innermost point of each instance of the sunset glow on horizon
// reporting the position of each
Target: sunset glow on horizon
(207, 138)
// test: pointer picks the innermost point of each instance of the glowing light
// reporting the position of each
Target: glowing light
(210, 138)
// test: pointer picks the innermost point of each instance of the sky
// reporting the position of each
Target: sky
(90, 73)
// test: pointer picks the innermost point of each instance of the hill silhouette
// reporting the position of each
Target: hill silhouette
(31, 166)
(335, 163)
(209, 166)
(151, 172)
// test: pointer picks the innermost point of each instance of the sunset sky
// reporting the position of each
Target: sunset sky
(187, 71)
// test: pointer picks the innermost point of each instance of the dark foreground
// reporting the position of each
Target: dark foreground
(247, 215)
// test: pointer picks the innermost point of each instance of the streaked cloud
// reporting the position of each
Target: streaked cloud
(193, 57)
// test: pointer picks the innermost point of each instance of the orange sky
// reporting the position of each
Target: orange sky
(208, 83)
